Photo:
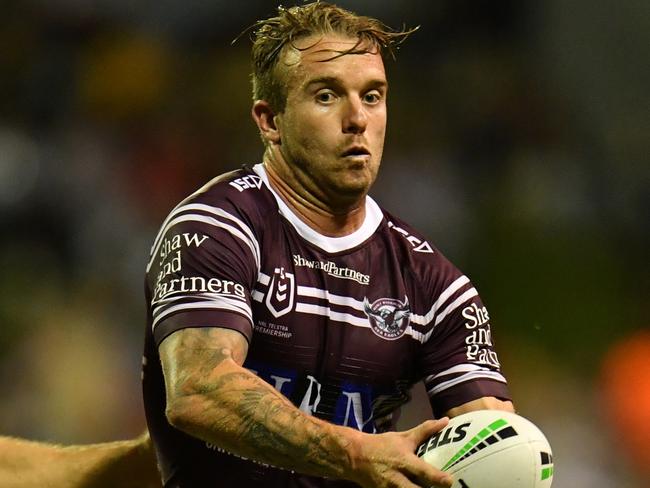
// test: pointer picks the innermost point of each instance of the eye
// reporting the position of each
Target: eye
(372, 98)
(325, 96)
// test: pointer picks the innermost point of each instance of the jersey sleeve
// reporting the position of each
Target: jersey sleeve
(458, 361)
(203, 265)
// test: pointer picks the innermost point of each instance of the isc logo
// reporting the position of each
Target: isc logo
(445, 436)
(246, 182)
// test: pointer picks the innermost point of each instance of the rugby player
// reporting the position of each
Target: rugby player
(289, 315)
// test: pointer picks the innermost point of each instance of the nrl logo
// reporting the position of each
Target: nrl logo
(279, 298)
(388, 317)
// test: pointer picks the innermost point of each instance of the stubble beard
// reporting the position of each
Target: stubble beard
(340, 189)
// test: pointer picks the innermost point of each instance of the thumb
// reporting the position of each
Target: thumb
(426, 429)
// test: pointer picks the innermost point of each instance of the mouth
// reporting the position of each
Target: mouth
(355, 151)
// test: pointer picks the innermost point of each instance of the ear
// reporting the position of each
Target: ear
(264, 117)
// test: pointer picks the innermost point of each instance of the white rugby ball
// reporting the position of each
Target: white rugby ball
(491, 449)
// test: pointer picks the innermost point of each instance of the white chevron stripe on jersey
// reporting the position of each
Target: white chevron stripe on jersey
(444, 296)
(243, 307)
(336, 316)
(213, 305)
(175, 211)
(183, 295)
(223, 214)
(344, 317)
(459, 368)
(309, 291)
(206, 220)
(418, 336)
(178, 209)
(264, 280)
(471, 293)
(472, 375)
(194, 293)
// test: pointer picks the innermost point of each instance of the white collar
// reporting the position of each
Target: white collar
(371, 222)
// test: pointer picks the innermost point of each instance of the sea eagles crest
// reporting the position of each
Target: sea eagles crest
(279, 298)
(388, 317)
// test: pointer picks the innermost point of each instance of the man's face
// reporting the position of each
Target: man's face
(333, 126)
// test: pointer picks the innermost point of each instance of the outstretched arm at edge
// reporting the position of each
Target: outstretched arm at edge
(127, 464)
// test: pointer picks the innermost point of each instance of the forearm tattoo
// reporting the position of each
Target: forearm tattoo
(236, 410)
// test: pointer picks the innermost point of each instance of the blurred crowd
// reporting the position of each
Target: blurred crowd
(518, 141)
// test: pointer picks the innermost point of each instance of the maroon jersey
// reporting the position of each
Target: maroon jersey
(342, 326)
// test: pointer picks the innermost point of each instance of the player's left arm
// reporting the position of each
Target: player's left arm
(457, 359)
(483, 403)
(127, 464)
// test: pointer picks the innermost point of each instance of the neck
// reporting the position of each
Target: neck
(313, 212)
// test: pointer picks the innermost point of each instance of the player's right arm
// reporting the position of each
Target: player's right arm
(211, 396)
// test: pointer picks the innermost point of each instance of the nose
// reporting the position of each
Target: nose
(355, 118)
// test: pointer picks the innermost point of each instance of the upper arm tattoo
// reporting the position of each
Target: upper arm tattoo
(191, 355)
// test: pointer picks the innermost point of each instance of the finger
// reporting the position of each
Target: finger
(402, 481)
(439, 480)
(426, 475)
(443, 483)
(422, 432)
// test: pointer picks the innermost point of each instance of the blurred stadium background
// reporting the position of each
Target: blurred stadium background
(518, 142)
